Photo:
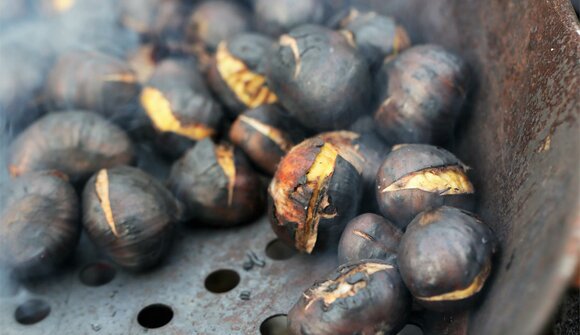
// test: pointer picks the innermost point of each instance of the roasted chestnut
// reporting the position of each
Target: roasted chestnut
(320, 78)
(157, 20)
(76, 143)
(217, 185)
(130, 216)
(421, 93)
(39, 223)
(416, 177)
(276, 17)
(237, 72)
(180, 107)
(93, 81)
(316, 190)
(366, 297)
(369, 236)
(445, 258)
(266, 134)
(214, 21)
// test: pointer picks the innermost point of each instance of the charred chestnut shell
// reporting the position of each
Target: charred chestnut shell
(76, 143)
(320, 78)
(316, 190)
(445, 258)
(369, 236)
(39, 223)
(180, 107)
(217, 185)
(93, 81)
(416, 177)
(237, 72)
(366, 297)
(276, 17)
(130, 216)
(266, 134)
(421, 93)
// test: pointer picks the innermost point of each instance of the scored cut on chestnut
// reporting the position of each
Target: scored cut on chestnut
(366, 297)
(421, 93)
(276, 17)
(130, 216)
(445, 258)
(369, 236)
(77, 143)
(39, 223)
(319, 77)
(316, 190)
(217, 185)
(266, 134)
(237, 72)
(416, 177)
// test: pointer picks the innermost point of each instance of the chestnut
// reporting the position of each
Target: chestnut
(316, 190)
(93, 81)
(369, 236)
(237, 72)
(179, 106)
(366, 297)
(145, 59)
(319, 77)
(276, 17)
(266, 134)
(154, 19)
(217, 185)
(39, 223)
(445, 258)
(416, 177)
(76, 143)
(130, 216)
(421, 93)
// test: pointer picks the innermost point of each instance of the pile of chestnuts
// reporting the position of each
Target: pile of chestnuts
(325, 122)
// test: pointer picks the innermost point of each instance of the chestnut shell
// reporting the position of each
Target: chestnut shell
(276, 17)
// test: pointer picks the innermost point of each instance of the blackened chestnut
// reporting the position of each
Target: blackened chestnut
(416, 177)
(179, 106)
(39, 223)
(217, 185)
(237, 72)
(421, 93)
(266, 134)
(445, 258)
(369, 236)
(130, 216)
(276, 17)
(314, 193)
(320, 78)
(76, 143)
(366, 297)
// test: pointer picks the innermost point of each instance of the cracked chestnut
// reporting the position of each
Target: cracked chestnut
(39, 223)
(130, 216)
(416, 177)
(276, 17)
(316, 190)
(369, 236)
(421, 93)
(445, 258)
(319, 77)
(217, 185)
(366, 298)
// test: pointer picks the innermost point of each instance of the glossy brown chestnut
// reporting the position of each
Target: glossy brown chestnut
(39, 223)
(180, 107)
(416, 177)
(366, 298)
(276, 17)
(445, 258)
(320, 78)
(369, 236)
(217, 185)
(316, 190)
(237, 72)
(76, 143)
(421, 93)
(130, 216)
(266, 134)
